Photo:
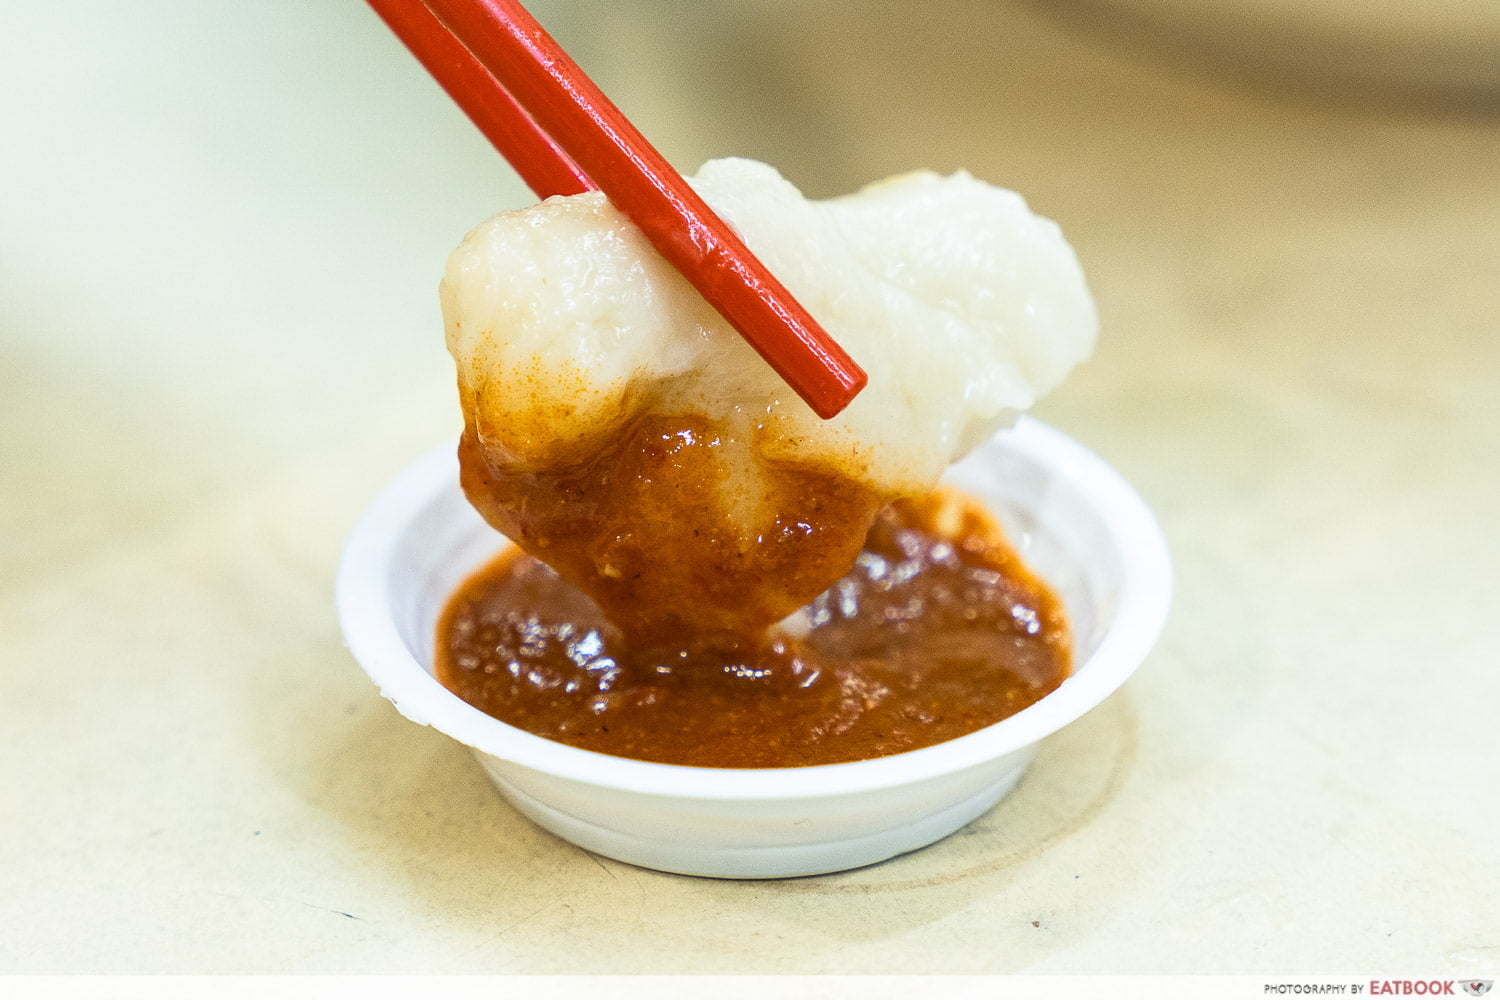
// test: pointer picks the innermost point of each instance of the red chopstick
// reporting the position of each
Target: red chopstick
(515, 79)
(545, 168)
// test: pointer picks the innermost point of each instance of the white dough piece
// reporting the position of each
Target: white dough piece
(962, 306)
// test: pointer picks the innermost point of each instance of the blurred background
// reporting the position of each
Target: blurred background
(221, 229)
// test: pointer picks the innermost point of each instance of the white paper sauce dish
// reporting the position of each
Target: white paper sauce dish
(1076, 522)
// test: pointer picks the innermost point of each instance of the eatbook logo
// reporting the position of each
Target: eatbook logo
(1478, 987)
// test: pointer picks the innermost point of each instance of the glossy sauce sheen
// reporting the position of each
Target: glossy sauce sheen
(659, 528)
(937, 631)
